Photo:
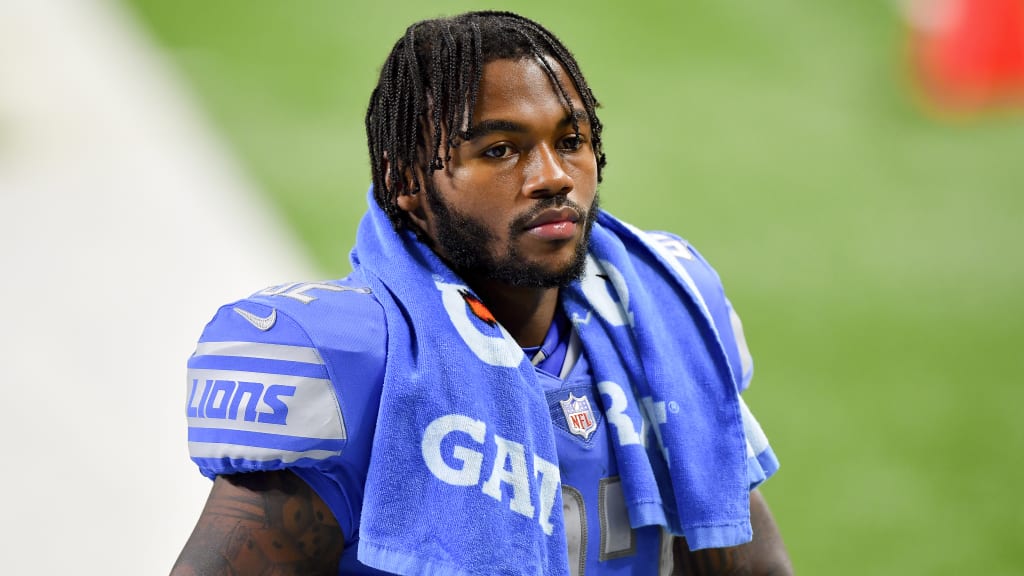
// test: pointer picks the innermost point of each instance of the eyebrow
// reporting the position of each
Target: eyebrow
(485, 127)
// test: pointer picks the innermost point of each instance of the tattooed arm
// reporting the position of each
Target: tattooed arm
(764, 555)
(268, 523)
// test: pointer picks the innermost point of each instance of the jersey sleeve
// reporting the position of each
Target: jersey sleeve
(258, 401)
(270, 378)
(290, 378)
(707, 288)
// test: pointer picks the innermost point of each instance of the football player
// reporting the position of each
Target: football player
(511, 381)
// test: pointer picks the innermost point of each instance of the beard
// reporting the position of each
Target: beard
(468, 244)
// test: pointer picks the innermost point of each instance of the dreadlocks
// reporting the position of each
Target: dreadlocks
(435, 69)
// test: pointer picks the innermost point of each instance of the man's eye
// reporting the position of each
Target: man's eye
(573, 142)
(499, 151)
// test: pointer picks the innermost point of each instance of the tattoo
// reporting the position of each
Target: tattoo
(267, 523)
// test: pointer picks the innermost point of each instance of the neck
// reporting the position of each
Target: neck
(526, 313)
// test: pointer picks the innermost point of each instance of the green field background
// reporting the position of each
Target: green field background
(871, 245)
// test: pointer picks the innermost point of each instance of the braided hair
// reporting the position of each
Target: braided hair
(431, 80)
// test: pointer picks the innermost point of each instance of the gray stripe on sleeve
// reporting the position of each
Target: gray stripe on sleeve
(258, 350)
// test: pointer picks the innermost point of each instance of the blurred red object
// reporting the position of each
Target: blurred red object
(969, 54)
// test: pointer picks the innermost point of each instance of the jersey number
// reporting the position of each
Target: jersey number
(617, 538)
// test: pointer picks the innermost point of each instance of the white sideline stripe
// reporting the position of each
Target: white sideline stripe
(253, 453)
(126, 224)
(258, 350)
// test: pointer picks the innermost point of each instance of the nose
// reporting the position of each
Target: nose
(546, 175)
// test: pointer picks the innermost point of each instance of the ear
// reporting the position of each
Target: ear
(405, 188)
(389, 183)
(411, 202)
(414, 204)
(408, 197)
(412, 199)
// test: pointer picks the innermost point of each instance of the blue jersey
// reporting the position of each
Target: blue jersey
(291, 378)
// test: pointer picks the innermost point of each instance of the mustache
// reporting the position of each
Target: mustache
(560, 201)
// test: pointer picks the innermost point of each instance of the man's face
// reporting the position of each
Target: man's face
(516, 201)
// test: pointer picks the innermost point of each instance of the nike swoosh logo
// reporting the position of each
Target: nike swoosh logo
(263, 323)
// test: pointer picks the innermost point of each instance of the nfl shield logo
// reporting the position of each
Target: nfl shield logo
(579, 416)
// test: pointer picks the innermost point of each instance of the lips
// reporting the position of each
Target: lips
(556, 224)
(554, 216)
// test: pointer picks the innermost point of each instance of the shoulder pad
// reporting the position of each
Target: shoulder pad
(264, 384)
(724, 318)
